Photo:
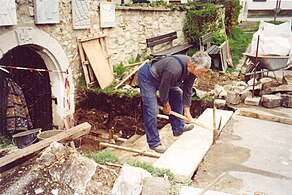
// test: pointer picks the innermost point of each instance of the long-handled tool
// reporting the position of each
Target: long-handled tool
(194, 121)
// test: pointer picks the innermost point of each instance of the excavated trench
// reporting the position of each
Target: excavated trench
(121, 113)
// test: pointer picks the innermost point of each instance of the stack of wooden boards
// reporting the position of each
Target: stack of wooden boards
(95, 60)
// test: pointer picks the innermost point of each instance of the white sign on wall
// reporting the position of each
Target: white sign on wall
(46, 11)
(80, 14)
(107, 14)
(7, 13)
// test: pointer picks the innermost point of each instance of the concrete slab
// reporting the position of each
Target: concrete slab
(184, 156)
(279, 114)
(255, 154)
(186, 190)
(270, 155)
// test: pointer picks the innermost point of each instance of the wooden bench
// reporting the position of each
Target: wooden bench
(212, 50)
(166, 38)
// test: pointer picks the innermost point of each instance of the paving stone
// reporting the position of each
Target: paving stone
(271, 101)
(287, 100)
(219, 103)
(255, 101)
(129, 180)
(155, 186)
(233, 97)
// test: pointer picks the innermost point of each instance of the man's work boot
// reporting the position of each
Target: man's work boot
(160, 149)
(186, 128)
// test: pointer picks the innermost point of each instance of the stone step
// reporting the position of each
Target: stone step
(186, 153)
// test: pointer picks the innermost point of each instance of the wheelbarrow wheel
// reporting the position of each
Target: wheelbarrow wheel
(250, 74)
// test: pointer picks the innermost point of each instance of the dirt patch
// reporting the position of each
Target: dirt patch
(208, 81)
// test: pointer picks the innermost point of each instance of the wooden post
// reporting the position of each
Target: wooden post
(129, 150)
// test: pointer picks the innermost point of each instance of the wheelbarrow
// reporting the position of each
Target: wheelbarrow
(266, 64)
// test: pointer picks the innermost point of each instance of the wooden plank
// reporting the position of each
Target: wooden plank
(98, 62)
(131, 74)
(223, 56)
(172, 50)
(103, 44)
(229, 57)
(139, 152)
(205, 40)
(135, 64)
(264, 116)
(92, 77)
(84, 67)
(91, 38)
(69, 134)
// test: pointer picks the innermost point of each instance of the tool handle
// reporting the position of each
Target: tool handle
(194, 121)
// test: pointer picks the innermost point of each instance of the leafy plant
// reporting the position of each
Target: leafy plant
(218, 38)
(119, 69)
(4, 142)
(232, 11)
(103, 157)
(199, 20)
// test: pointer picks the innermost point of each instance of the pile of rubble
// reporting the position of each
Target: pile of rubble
(268, 92)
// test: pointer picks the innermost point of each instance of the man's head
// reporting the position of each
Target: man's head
(199, 63)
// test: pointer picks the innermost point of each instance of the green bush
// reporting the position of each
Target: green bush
(119, 69)
(232, 10)
(218, 38)
(200, 19)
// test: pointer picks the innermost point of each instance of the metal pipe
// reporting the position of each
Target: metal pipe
(256, 63)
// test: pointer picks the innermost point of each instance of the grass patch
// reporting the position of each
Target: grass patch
(239, 41)
(152, 170)
(231, 70)
(4, 142)
(103, 157)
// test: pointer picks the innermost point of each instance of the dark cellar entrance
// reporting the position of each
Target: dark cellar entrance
(35, 85)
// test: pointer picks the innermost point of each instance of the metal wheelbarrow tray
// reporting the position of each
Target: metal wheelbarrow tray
(270, 62)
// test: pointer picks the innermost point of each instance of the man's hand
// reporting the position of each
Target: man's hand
(166, 108)
(187, 114)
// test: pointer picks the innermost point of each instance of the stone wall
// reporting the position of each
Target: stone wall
(125, 41)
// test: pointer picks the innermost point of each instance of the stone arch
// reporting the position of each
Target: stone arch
(54, 57)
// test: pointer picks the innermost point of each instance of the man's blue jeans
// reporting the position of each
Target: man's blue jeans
(148, 88)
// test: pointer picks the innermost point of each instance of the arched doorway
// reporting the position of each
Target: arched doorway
(49, 102)
(35, 85)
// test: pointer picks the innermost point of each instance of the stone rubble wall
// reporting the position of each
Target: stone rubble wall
(125, 41)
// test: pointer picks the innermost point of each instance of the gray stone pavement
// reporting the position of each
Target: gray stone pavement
(255, 154)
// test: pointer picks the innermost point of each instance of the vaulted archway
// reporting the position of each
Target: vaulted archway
(44, 91)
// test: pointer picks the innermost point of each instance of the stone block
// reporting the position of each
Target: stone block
(219, 103)
(129, 180)
(244, 94)
(233, 97)
(255, 101)
(271, 101)
(155, 185)
(287, 100)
